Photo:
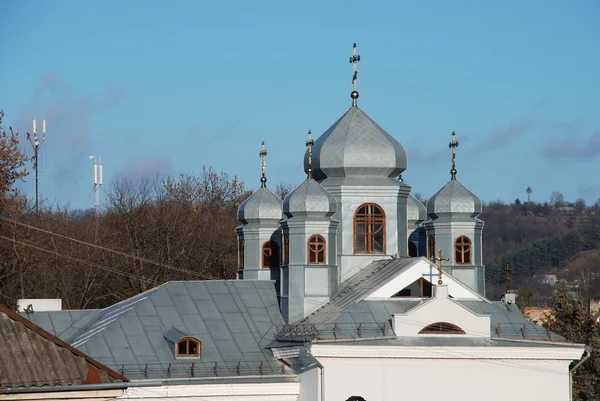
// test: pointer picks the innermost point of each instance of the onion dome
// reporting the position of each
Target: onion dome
(262, 206)
(356, 146)
(453, 200)
(416, 213)
(309, 199)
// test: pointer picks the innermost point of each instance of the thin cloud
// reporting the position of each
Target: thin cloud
(67, 113)
(147, 167)
(573, 148)
(504, 136)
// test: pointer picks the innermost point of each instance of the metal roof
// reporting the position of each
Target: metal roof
(262, 205)
(415, 211)
(234, 320)
(356, 146)
(32, 357)
(311, 199)
(349, 315)
(453, 199)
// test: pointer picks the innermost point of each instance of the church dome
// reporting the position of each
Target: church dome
(452, 200)
(263, 205)
(355, 146)
(416, 213)
(309, 199)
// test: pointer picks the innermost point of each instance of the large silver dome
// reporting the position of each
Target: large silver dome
(355, 146)
(263, 205)
(453, 199)
(309, 199)
(416, 213)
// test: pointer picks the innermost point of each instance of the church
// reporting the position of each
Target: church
(348, 289)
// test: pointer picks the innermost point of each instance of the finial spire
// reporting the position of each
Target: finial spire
(309, 145)
(439, 261)
(453, 145)
(353, 60)
(263, 155)
(507, 271)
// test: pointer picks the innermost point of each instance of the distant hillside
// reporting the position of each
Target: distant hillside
(562, 240)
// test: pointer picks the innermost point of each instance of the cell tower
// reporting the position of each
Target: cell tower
(97, 183)
(36, 143)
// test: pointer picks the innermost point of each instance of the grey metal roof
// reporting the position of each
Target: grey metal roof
(32, 357)
(416, 213)
(359, 286)
(356, 146)
(453, 199)
(234, 320)
(263, 205)
(309, 199)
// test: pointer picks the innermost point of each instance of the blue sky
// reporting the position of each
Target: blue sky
(171, 86)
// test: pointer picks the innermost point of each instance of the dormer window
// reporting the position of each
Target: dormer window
(188, 348)
(442, 328)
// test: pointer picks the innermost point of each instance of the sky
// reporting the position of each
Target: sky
(170, 87)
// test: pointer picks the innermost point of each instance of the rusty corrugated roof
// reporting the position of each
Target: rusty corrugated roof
(32, 357)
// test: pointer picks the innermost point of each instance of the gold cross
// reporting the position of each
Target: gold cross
(353, 60)
(507, 271)
(309, 145)
(439, 261)
(453, 145)
(263, 155)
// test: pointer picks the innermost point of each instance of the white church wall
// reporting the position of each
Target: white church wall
(441, 309)
(448, 379)
(282, 391)
(423, 268)
(350, 198)
(310, 385)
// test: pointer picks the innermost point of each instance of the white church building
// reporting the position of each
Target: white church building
(348, 289)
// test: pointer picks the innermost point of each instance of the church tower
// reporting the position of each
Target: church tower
(357, 161)
(416, 214)
(309, 270)
(455, 229)
(259, 236)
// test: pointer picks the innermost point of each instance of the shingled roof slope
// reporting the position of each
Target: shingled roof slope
(32, 357)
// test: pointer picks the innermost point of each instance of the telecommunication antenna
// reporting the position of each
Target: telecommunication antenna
(97, 182)
(36, 143)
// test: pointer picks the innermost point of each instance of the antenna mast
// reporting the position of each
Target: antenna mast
(36, 143)
(97, 183)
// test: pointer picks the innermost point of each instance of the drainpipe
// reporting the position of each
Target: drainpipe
(588, 353)
(322, 374)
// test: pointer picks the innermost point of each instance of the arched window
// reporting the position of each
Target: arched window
(369, 229)
(188, 348)
(462, 251)
(430, 247)
(316, 249)
(412, 249)
(442, 328)
(286, 249)
(270, 255)
(241, 254)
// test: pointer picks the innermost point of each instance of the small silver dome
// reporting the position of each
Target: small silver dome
(309, 199)
(416, 213)
(355, 146)
(263, 205)
(453, 199)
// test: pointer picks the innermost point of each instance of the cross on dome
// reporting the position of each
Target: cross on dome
(309, 144)
(263, 155)
(453, 145)
(353, 60)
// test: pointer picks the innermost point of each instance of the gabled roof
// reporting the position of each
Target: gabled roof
(234, 320)
(32, 357)
(355, 313)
